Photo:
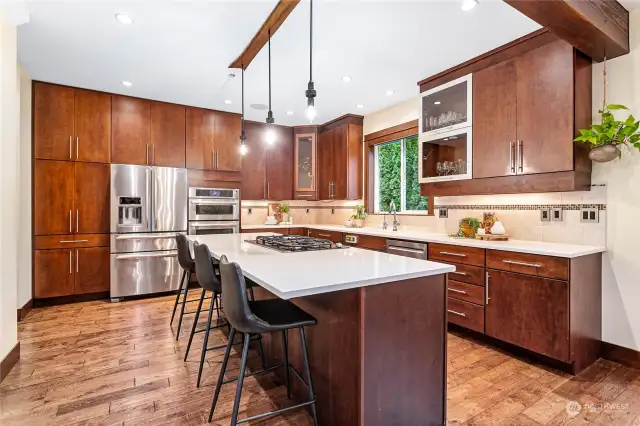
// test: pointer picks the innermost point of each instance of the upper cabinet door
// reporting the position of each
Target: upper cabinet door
(91, 199)
(305, 162)
(167, 135)
(53, 122)
(254, 163)
(200, 135)
(494, 121)
(129, 130)
(53, 197)
(545, 109)
(227, 142)
(280, 165)
(339, 162)
(93, 126)
(325, 164)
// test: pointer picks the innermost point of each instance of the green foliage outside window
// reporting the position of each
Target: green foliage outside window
(390, 175)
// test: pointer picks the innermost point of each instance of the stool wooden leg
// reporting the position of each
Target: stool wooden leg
(195, 323)
(175, 305)
(206, 340)
(184, 303)
(243, 366)
(285, 350)
(307, 368)
(223, 369)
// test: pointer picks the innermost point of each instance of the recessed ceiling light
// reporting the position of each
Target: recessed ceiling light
(289, 112)
(259, 107)
(390, 92)
(127, 83)
(228, 101)
(469, 4)
(437, 102)
(346, 79)
(453, 137)
(124, 19)
(232, 75)
(360, 106)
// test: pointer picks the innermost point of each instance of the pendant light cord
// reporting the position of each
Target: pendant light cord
(311, 42)
(269, 69)
(242, 99)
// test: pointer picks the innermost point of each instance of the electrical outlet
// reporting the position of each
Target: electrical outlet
(333, 211)
(443, 213)
(545, 215)
(589, 215)
(249, 211)
(556, 215)
(307, 211)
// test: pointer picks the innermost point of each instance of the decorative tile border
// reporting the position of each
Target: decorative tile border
(492, 207)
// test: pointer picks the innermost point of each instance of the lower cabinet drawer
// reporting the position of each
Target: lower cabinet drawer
(467, 292)
(466, 314)
(333, 236)
(466, 273)
(70, 241)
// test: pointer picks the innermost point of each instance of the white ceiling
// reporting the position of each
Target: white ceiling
(178, 51)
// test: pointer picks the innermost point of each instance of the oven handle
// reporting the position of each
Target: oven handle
(213, 225)
(229, 201)
(147, 256)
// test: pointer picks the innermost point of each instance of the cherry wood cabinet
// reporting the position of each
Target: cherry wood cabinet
(305, 163)
(71, 124)
(280, 165)
(53, 193)
(212, 140)
(340, 159)
(53, 273)
(167, 128)
(130, 130)
(92, 199)
(530, 312)
(254, 164)
(92, 270)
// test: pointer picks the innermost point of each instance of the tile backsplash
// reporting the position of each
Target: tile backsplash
(519, 213)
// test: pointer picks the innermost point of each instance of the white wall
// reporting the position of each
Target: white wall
(396, 114)
(9, 136)
(24, 202)
(621, 281)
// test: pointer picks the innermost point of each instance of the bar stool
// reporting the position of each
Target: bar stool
(210, 281)
(264, 316)
(187, 264)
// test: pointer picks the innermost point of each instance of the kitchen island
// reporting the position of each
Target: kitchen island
(378, 353)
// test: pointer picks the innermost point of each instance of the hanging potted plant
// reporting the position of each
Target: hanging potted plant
(605, 137)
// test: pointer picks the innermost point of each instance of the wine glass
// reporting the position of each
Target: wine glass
(439, 169)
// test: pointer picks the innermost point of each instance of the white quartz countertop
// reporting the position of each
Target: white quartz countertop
(289, 275)
(520, 246)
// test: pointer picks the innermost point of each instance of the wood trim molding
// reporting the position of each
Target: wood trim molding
(625, 356)
(595, 27)
(24, 311)
(277, 16)
(499, 54)
(408, 126)
(343, 119)
(9, 361)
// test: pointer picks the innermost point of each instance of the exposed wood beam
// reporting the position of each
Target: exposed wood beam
(595, 27)
(273, 22)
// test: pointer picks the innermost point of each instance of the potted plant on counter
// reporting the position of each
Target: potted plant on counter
(605, 137)
(467, 228)
(284, 209)
(359, 216)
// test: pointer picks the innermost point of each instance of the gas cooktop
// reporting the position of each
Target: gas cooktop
(293, 243)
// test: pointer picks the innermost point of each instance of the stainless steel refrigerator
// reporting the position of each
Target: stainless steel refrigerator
(148, 209)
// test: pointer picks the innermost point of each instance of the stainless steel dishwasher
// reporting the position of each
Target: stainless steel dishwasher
(407, 249)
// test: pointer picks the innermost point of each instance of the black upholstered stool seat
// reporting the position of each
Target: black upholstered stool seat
(278, 315)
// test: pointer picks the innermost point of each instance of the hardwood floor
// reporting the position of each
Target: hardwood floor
(98, 363)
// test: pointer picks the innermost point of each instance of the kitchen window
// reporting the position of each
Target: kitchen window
(396, 176)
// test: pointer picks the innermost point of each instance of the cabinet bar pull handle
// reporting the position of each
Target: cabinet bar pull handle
(74, 241)
(407, 249)
(77, 144)
(77, 256)
(486, 289)
(213, 159)
(147, 152)
(513, 262)
(217, 159)
(459, 273)
(70, 263)
(153, 154)
(77, 221)
(453, 254)
(451, 311)
(304, 195)
(521, 156)
(512, 157)
(455, 290)
(324, 235)
(268, 190)
(70, 221)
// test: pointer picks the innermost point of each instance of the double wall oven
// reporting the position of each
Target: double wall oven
(214, 211)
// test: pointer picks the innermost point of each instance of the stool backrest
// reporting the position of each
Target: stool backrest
(184, 255)
(204, 269)
(235, 300)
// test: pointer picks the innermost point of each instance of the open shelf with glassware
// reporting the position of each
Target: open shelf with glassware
(446, 156)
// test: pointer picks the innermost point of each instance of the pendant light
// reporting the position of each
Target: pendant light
(271, 134)
(243, 135)
(311, 91)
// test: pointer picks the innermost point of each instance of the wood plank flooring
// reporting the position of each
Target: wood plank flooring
(99, 363)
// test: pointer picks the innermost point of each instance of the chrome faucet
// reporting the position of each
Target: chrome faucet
(392, 205)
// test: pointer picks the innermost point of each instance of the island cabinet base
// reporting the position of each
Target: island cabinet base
(378, 353)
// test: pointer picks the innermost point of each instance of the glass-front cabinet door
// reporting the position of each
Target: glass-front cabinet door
(446, 107)
(305, 166)
(446, 156)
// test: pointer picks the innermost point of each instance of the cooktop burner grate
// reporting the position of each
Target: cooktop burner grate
(293, 243)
